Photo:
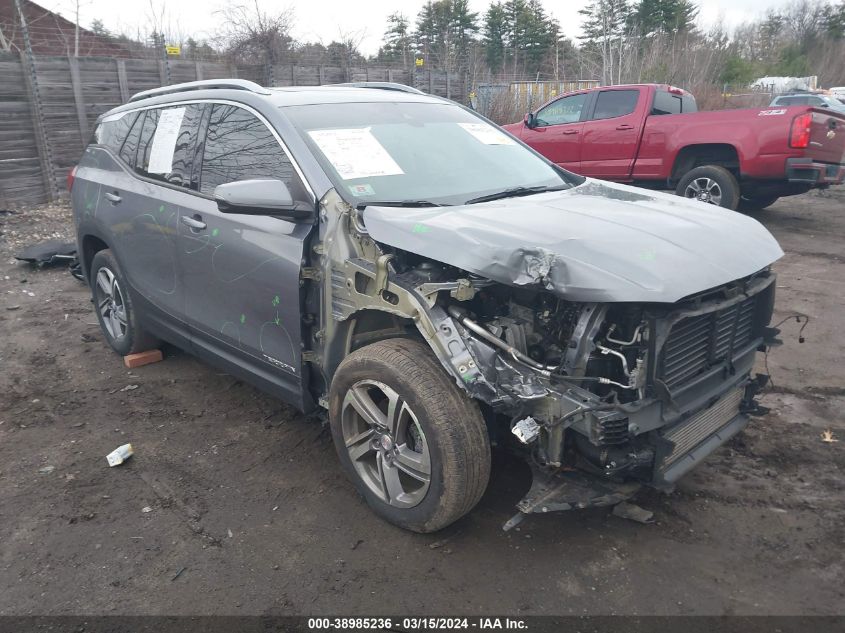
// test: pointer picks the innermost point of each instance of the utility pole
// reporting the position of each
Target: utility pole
(163, 46)
(76, 32)
(41, 135)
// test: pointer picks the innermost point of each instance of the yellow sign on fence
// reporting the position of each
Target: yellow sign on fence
(173, 50)
(419, 61)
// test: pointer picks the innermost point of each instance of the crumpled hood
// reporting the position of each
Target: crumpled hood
(599, 241)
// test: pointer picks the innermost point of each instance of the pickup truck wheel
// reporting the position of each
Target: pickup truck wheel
(756, 203)
(115, 310)
(711, 184)
(414, 445)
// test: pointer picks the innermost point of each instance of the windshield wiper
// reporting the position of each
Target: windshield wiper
(515, 192)
(398, 203)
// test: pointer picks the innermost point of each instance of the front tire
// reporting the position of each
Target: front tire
(711, 184)
(414, 445)
(115, 310)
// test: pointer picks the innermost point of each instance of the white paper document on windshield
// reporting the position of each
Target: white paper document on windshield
(487, 134)
(355, 153)
(164, 141)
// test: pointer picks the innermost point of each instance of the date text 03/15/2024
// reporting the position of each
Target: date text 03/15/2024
(417, 623)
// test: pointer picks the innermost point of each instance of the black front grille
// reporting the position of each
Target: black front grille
(696, 343)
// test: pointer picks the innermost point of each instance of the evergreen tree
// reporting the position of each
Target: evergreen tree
(834, 21)
(444, 31)
(397, 42)
(606, 25)
(432, 30)
(495, 33)
(464, 27)
(665, 16)
(520, 36)
(540, 32)
(516, 17)
(98, 28)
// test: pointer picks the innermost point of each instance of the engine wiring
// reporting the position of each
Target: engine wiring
(798, 316)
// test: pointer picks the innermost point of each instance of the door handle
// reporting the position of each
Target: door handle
(195, 223)
(624, 126)
(113, 197)
(569, 132)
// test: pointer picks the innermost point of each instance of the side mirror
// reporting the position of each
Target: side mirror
(260, 197)
(530, 120)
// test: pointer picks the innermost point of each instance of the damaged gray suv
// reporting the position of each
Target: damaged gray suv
(434, 284)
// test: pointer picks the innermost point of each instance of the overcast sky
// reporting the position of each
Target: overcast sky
(322, 20)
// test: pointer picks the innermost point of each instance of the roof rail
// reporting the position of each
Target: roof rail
(206, 84)
(381, 85)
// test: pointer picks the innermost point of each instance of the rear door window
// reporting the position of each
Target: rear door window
(112, 131)
(615, 103)
(167, 144)
(239, 146)
(668, 103)
(130, 145)
(145, 142)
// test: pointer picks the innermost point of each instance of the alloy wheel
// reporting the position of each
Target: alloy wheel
(110, 303)
(386, 444)
(704, 190)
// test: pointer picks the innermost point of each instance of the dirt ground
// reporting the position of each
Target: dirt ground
(236, 504)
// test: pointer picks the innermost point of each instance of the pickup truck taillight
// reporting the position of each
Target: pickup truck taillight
(70, 176)
(799, 136)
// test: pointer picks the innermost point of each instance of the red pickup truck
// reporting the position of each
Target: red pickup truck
(653, 135)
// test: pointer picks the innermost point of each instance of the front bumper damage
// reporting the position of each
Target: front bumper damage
(671, 429)
(569, 490)
(682, 446)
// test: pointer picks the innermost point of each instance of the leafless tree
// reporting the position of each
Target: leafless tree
(253, 34)
(5, 44)
(347, 47)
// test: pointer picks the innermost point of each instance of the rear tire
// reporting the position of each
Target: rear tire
(711, 184)
(756, 203)
(115, 310)
(414, 445)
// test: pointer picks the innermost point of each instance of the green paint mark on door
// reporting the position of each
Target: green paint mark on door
(215, 232)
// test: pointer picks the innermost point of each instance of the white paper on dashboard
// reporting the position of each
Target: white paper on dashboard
(355, 153)
(164, 141)
(487, 134)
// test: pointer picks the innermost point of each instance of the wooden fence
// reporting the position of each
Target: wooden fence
(41, 139)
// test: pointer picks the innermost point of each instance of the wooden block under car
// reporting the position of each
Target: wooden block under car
(143, 358)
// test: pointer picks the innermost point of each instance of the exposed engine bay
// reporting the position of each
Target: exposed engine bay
(594, 386)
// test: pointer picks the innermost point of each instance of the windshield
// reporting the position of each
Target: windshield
(419, 153)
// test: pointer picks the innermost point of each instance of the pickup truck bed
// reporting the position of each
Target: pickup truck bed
(653, 135)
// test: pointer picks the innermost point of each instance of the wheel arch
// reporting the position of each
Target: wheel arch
(432, 327)
(364, 327)
(91, 245)
(692, 156)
